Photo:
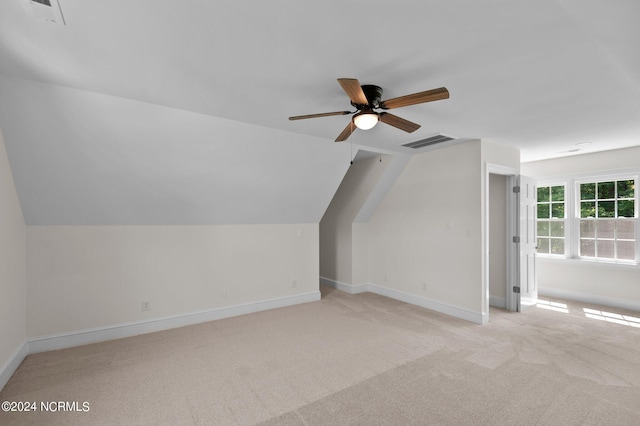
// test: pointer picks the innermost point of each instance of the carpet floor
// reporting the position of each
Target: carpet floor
(349, 360)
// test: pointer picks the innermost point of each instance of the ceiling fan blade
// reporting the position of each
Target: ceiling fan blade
(416, 98)
(323, 114)
(346, 132)
(352, 88)
(400, 123)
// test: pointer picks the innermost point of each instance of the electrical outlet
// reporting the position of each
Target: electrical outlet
(424, 286)
(146, 305)
(294, 283)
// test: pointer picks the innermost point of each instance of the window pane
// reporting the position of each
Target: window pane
(608, 220)
(556, 229)
(557, 210)
(587, 229)
(543, 245)
(626, 250)
(606, 209)
(543, 211)
(588, 209)
(588, 248)
(606, 190)
(605, 229)
(557, 193)
(543, 194)
(625, 229)
(557, 245)
(605, 249)
(543, 228)
(588, 191)
(626, 208)
(625, 188)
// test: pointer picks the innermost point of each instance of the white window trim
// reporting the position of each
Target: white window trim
(572, 219)
(567, 241)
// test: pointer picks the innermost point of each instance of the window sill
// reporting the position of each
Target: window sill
(589, 262)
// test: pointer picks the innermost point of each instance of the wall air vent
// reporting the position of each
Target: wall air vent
(49, 10)
(433, 140)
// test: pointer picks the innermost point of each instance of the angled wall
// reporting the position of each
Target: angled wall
(343, 254)
(425, 242)
(12, 273)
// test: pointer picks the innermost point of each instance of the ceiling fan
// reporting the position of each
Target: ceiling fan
(367, 98)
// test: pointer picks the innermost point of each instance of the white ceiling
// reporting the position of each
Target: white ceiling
(160, 112)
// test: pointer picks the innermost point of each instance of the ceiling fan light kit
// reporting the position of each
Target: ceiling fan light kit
(365, 120)
(368, 97)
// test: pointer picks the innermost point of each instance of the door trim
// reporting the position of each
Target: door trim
(511, 173)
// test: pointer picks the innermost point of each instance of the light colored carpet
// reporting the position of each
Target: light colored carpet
(350, 359)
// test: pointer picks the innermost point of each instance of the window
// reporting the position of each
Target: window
(594, 218)
(550, 221)
(607, 213)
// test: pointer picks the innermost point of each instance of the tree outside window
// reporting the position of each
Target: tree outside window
(607, 219)
(551, 220)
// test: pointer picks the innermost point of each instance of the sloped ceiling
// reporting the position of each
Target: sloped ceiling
(175, 112)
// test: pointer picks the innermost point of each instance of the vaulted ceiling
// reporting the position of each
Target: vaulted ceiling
(175, 112)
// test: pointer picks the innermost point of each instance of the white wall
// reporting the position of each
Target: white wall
(426, 242)
(582, 280)
(609, 285)
(618, 159)
(425, 238)
(86, 277)
(12, 272)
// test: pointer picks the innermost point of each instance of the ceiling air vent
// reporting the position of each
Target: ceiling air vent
(433, 140)
(49, 10)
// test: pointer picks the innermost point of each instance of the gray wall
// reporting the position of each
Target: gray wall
(497, 240)
(12, 272)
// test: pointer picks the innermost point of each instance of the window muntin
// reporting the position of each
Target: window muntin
(607, 212)
(550, 221)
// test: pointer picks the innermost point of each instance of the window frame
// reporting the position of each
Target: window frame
(551, 219)
(572, 215)
(576, 217)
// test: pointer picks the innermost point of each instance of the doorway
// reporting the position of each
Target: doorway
(500, 257)
(497, 241)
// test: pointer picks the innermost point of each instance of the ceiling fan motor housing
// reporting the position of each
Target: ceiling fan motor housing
(373, 94)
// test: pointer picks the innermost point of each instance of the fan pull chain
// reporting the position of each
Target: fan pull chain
(351, 145)
(351, 141)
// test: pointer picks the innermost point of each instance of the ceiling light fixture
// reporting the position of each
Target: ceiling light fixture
(365, 120)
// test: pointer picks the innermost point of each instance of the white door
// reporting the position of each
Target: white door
(527, 288)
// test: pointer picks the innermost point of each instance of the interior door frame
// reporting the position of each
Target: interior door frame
(511, 224)
(513, 267)
(527, 295)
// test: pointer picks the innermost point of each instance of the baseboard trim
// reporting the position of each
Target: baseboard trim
(347, 288)
(424, 302)
(498, 302)
(594, 299)
(95, 335)
(412, 299)
(13, 363)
